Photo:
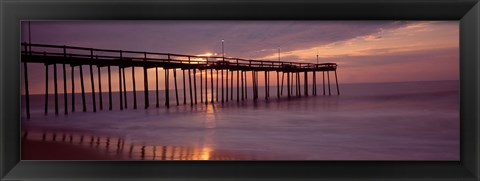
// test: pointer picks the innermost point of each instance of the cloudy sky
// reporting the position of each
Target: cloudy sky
(366, 51)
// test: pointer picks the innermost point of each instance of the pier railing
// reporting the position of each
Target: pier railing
(181, 59)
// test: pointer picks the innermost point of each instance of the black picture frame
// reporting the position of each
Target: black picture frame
(466, 11)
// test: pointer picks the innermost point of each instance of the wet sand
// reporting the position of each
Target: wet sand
(39, 150)
(48, 144)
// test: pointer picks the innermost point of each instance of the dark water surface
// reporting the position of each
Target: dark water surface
(377, 121)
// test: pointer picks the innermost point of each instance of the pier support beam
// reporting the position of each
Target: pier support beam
(211, 85)
(134, 88)
(83, 89)
(184, 88)
(145, 79)
(246, 85)
(65, 104)
(278, 85)
(55, 81)
(288, 84)
(292, 83)
(314, 83)
(120, 86)
(226, 86)
(190, 86)
(255, 84)
(217, 85)
(243, 96)
(206, 86)
(201, 86)
(46, 89)
(298, 84)
(223, 97)
(328, 77)
(156, 88)
(124, 88)
(305, 82)
(100, 97)
(109, 89)
(195, 84)
(281, 91)
(167, 88)
(27, 92)
(231, 85)
(266, 85)
(238, 86)
(176, 88)
(93, 89)
(336, 80)
(145, 89)
(73, 87)
(323, 72)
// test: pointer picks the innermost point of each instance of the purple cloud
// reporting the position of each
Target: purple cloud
(243, 39)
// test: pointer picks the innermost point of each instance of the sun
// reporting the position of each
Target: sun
(208, 54)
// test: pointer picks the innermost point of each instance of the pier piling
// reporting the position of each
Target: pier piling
(305, 83)
(281, 91)
(190, 86)
(167, 88)
(246, 91)
(176, 88)
(27, 91)
(328, 78)
(314, 83)
(238, 86)
(195, 84)
(109, 88)
(336, 80)
(206, 86)
(156, 88)
(223, 97)
(184, 88)
(211, 85)
(134, 88)
(55, 82)
(100, 97)
(323, 77)
(93, 89)
(288, 84)
(231, 85)
(120, 86)
(145, 79)
(73, 87)
(65, 93)
(83, 89)
(46, 89)
(243, 96)
(124, 88)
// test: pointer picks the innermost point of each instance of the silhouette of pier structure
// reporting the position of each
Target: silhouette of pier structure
(232, 71)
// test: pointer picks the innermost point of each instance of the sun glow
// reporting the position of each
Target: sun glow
(208, 54)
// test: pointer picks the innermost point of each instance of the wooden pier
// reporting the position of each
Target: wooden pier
(53, 55)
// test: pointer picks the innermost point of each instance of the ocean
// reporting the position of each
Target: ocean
(367, 121)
